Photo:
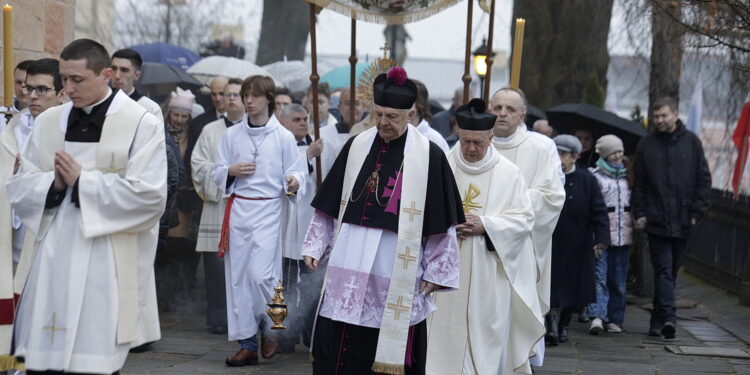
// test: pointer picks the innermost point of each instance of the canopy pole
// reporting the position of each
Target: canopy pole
(353, 73)
(466, 78)
(314, 78)
(490, 55)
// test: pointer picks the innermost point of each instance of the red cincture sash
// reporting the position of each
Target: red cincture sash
(224, 241)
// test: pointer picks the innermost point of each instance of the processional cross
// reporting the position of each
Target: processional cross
(385, 50)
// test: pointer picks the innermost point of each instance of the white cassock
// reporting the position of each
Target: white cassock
(333, 142)
(12, 232)
(432, 135)
(214, 200)
(149, 330)
(490, 325)
(89, 275)
(531, 154)
(253, 261)
(300, 212)
(146, 102)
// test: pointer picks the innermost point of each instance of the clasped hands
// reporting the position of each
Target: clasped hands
(67, 171)
(472, 227)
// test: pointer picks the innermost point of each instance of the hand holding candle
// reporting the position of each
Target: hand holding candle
(8, 55)
(515, 70)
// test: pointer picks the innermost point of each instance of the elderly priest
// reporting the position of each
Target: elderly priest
(388, 241)
(491, 324)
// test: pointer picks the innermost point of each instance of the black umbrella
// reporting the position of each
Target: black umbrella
(157, 74)
(567, 117)
(533, 114)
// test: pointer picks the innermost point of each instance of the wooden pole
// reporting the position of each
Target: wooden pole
(467, 58)
(314, 78)
(490, 55)
(353, 73)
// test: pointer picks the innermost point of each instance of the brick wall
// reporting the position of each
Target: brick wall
(41, 28)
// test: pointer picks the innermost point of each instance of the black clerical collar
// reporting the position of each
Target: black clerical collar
(135, 95)
(305, 141)
(342, 127)
(83, 127)
(229, 122)
(398, 141)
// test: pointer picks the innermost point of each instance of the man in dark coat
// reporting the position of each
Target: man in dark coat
(215, 112)
(671, 194)
(581, 233)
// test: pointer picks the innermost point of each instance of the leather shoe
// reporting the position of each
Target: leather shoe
(268, 345)
(242, 358)
(563, 337)
(668, 330)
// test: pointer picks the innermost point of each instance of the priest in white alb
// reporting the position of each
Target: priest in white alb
(491, 324)
(534, 154)
(214, 202)
(384, 227)
(92, 187)
(257, 163)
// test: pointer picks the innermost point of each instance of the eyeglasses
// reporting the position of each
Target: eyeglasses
(216, 94)
(232, 95)
(40, 90)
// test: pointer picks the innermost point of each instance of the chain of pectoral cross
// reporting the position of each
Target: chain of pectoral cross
(257, 146)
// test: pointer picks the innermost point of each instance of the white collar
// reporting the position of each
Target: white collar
(488, 161)
(89, 108)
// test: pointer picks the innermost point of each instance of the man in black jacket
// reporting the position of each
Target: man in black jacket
(671, 194)
(211, 114)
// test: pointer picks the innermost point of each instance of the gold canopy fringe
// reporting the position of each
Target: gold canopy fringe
(390, 18)
(8, 363)
(388, 368)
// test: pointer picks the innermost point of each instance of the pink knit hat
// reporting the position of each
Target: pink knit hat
(181, 100)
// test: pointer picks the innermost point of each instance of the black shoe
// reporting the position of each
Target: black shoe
(552, 319)
(563, 337)
(668, 330)
(654, 332)
(143, 348)
(583, 316)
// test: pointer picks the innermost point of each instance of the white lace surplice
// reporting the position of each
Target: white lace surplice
(356, 297)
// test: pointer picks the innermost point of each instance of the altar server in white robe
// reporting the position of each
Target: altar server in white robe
(531, 154)
(126, 70)
(334, 137)
(214, 203)
(257, 163)
(43, 88)
(491, 324)
(92, 187)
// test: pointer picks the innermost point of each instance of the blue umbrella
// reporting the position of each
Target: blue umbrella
(167, 54)
(338, 77)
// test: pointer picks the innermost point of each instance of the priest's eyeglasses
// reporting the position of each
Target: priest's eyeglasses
(40, 90)
(231, 95)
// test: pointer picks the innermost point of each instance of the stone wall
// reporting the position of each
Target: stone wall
(41, 28)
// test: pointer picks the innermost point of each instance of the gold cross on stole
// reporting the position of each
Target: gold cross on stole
(407, 257)
(412, 211)
(54, 327)
(398, 307)
(468, 202)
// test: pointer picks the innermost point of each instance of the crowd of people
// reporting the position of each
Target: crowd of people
(457, 242)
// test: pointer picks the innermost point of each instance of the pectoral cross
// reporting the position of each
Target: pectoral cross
(398, 307)
(468, 202)
(412, 211)
(54, 328)
(407, 257)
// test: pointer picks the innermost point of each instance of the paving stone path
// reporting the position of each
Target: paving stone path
(718, 321)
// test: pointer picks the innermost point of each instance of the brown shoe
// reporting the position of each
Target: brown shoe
(268, 345)
(243, 358)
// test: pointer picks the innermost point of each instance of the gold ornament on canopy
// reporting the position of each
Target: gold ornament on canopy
(392, 12)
